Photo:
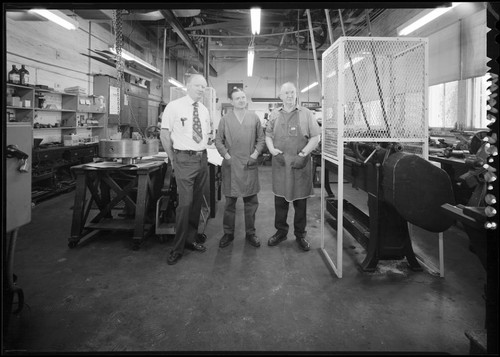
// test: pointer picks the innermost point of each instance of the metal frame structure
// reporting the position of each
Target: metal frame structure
(374, 90)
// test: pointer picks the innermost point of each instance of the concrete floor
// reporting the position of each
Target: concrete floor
(103, 296)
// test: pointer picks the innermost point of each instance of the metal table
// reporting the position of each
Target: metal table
(137, 186)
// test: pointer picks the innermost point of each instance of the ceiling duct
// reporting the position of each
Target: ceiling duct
(184, 36)
(186, 13)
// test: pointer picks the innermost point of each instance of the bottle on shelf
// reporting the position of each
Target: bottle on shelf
(24, 76)
(14, 77)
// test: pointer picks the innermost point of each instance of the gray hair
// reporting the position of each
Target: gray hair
(288, 84)
(194, 75)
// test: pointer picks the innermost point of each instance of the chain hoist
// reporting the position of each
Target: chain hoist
(117, 27)
(120, 65)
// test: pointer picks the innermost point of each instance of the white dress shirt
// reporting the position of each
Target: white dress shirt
(178, 119)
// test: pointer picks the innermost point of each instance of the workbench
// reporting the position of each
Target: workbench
(122, 195)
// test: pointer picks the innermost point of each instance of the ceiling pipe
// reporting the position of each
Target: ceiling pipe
(206, 59)
(313, 44)
(163, 63)
(176, 25)
(329, 23)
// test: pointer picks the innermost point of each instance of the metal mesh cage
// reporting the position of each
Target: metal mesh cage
(375, 89)
(208, 100)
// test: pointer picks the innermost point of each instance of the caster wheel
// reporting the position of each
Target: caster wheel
(72, 244)
(201, 238)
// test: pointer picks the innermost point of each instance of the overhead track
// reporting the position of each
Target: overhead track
(176, 25)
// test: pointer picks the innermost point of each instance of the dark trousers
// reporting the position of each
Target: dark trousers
(300, 217)
(191, 173)
(251, 203)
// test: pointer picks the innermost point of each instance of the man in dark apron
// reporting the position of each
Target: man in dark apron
(240, 140)
(291, 134)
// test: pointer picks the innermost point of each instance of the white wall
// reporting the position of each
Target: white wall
(268, 75)
(55, 57)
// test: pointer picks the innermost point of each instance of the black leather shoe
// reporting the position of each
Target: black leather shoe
(253, 240)
(226, 240)
(303, 244)
(196, 246)
(276, 239)
(173, 258)
(201, 238)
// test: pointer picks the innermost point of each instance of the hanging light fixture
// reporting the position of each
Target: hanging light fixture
(415, 25)
(251, 55)
(312, 85)
(57, 17)
(255, 17)
(131, 57)
(176, 83)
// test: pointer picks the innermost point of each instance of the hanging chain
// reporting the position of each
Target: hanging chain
(120, 65)
(117, 26)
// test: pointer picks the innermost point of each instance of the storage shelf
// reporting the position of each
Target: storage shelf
(20, 86)
(83, 112)
(82, 127)
(19, 122)
(19, 108)
(54, 110)
(52, 92)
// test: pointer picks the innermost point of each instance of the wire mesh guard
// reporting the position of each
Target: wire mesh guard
(208, 100)
(375, 89)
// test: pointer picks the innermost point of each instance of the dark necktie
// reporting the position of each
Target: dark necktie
(197, 134)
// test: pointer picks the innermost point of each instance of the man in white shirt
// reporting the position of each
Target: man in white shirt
(184, 135)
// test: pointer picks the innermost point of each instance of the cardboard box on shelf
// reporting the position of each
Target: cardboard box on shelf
(71, 140)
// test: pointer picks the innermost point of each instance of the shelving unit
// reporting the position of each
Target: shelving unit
(20, 113)
(56, 114)
(70, 113)
(65, 112)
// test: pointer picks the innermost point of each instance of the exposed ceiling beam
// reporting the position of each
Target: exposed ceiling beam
(179, 30)
(216, 25)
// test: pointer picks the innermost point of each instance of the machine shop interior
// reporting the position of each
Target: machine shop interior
(403, 220)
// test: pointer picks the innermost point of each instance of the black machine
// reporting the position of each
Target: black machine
(402, 188)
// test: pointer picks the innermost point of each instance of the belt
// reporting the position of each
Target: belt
(190, 152)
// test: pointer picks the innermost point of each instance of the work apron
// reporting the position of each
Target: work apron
(240, 175)
(288, 182)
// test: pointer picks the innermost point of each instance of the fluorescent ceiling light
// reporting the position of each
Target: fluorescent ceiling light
(426, 19)
(309, 87)
(354, 61)
(131, 57)
(347, 65)
(251, 55)
(176, 83)
(255, 16)
(57, 17)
